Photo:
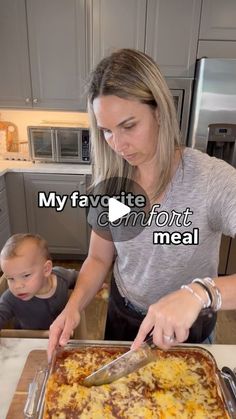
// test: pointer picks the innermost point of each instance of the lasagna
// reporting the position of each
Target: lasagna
(178, 384)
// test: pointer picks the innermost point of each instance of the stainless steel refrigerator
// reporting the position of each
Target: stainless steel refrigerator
(213, 113)
(212, 126)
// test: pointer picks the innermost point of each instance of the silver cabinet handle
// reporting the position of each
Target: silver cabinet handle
(27, 100)
(35, 100)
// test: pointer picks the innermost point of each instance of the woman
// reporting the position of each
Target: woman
(135, 135)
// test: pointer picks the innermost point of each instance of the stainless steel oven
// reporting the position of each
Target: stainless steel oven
(181, 89)
(61, 145)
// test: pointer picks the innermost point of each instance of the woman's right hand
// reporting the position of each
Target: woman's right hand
(62, 328)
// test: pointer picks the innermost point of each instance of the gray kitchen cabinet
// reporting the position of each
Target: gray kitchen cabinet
(48, 46)
(231, 266)
(15, 84)
(172, 35)
(44, 56)
(57, 34)
(216, 49)
(224, 254)
(66, 231)
(227, 264)
(167, 30)
(16, 202)
(218, 20)
(4, 219)
(116, 24)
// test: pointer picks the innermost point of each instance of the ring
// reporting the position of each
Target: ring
(169, 338)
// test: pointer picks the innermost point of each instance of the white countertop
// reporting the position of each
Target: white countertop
(29, 166)
(14, 351)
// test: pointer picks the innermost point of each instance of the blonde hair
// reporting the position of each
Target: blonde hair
(11, 247)
(131, 74)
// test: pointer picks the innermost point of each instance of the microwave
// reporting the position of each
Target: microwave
(59, 145)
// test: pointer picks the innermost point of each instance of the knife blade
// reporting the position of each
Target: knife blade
(125, 364)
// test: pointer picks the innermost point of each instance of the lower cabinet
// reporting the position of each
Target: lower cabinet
(66, 230)
(227, 265)
(231, 266)
(5, 231)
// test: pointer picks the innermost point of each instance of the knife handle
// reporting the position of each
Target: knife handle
(230, 373)
(228, 394)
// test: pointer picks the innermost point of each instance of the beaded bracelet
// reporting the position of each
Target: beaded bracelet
(186, 287)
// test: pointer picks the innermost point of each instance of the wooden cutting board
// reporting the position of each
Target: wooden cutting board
(36, 359)
(11, 135)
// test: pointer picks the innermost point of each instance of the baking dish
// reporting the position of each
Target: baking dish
(35, 403)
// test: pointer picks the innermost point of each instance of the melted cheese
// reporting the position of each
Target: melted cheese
(173, 386)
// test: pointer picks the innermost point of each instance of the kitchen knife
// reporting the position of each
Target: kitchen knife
(125, 364)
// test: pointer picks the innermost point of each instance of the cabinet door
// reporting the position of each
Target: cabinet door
(65, 231)
(216, 49)
(56, 30)
(231, 267)
(218, 20)
(15, 88)
(172, 34)
(16, 202)
(4, 232)
(224, 254)
(116, 24)
(4, 220)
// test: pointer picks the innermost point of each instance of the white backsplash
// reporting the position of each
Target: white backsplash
(24, 118)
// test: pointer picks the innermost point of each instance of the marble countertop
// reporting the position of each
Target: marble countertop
(29, 166)
(14, 352)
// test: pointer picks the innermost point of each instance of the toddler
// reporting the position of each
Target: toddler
(37, 292)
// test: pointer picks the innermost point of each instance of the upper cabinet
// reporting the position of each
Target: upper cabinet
(116, 24)
(218, 21)
(167, 30)
(49, 46)
(172, 35)
(48, 69)
(15, 84)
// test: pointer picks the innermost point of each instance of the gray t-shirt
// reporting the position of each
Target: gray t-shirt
(38, 313)
(144, 272)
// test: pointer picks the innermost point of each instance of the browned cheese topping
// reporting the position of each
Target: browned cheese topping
(180, 384)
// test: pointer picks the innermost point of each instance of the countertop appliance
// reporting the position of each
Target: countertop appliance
(181, 90)
(213, 114)
(59, 144)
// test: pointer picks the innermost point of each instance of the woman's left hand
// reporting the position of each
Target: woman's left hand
(170, 318)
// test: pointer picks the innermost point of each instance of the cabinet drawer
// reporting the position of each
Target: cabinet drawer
(3, 205)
